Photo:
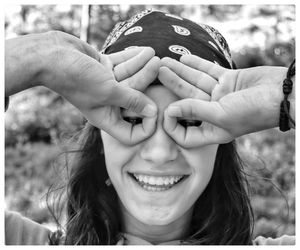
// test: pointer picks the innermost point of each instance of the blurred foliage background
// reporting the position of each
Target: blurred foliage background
(38, 121)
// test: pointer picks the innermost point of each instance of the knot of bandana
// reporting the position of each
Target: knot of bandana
(170, 36)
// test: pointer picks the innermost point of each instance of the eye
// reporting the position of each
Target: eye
(189, 123)
(133, 120)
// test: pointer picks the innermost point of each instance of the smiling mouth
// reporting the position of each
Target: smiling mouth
(157, 183)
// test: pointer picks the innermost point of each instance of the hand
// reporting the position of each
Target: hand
(137, 73)
(71, 68)
(230, 102)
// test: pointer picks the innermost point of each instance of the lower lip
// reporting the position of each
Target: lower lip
(155, 188)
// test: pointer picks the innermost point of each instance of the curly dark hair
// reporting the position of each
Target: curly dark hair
(222, 214)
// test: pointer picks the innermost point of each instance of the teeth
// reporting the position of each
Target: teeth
(145, 178)
(166, 181)
(157, 180)
(155, 189)
(151, 180)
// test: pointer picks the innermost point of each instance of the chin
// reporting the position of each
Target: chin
(157, 218)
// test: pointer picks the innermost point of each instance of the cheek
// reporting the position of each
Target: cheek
(202, 161)
(116, 156)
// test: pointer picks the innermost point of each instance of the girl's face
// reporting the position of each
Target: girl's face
(157, 180)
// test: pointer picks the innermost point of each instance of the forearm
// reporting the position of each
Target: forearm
(268, 81)
(279, 76)
(23, 63)
(292, 101)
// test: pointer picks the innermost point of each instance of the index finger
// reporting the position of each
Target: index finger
(203, 65)
(197, 78)
(124, 55)
(129, 134)
(202, 110)
(133, 100)
(143, 78)
(129, 67)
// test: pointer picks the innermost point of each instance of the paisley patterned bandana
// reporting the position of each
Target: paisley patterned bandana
(170, 36)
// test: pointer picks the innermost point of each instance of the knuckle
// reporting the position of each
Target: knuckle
(221, 118)
(57, 47)
(55, 36)
(189, 110)
(194, 112)
(128, 70)
(65, 40)
(178, 85)
(134, 103)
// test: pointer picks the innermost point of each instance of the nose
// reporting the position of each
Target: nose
(160, 148)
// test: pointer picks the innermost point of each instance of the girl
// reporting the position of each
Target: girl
(159, 190)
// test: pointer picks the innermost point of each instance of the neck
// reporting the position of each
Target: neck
(156, 234)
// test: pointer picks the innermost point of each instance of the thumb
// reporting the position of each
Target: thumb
(133, 100)
(196, 109)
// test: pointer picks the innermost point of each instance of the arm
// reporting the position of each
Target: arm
(92, 83)
(230, 102)
(23, 63)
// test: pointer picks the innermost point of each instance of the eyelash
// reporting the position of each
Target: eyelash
(190, 123)
(133, 120)
(184, 123)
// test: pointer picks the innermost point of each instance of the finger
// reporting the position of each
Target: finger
(195, 77)
(221, 90)
(113, 123)
(192, 137)
(131, 134)
(195, 109)
(130, 67)
(203, 65)
(189, 137)
(143, 78)
(181, 135)
(90, 51)
(106, 62)
(133, 100)
(227, 85)
(110, 60)
(179, 86)
(173, 128)
(124, 55)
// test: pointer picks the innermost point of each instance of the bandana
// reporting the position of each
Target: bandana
(170, 36)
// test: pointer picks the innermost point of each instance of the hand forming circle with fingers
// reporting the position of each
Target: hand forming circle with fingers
(134, 69)
(200, 89)
(93, 82)
(229, 102)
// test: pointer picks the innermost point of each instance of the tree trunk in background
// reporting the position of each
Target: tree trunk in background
(85, 23)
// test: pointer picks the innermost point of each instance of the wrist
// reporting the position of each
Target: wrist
(292, 102)
(63, 51)
(24, 63)
(276, 76)
(287, 111)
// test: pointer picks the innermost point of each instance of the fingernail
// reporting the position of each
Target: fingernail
(149, 110)
(174, 111)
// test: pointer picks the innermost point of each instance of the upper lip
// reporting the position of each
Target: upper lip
(153, 173)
